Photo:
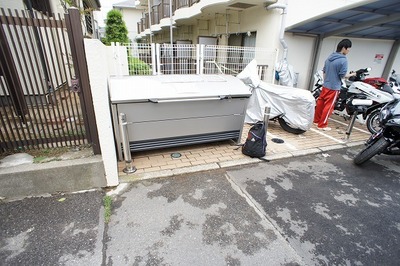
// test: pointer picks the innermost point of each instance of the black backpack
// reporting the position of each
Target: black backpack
(256, 142)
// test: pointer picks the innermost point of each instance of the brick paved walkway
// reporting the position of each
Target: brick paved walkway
(227, 153)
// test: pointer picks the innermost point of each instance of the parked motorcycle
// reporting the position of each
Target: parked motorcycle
(387, 139)
(356, 86)
(377, 82)
(394, 81)
(381, 84)
(292, 108)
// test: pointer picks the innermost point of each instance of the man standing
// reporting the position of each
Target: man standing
(335, 69)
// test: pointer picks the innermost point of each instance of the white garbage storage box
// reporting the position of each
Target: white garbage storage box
(172, 110)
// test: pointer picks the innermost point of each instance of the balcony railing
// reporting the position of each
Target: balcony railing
(161, 11)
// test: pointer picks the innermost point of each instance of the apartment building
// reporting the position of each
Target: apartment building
(303, 31)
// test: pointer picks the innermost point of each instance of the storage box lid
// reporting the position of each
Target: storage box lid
(164, 87)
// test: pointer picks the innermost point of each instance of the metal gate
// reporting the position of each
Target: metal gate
(45, 97)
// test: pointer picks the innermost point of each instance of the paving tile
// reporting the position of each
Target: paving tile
(158, 163)
(200, 162)
(152, 169)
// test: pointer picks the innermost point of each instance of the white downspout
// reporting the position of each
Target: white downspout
(283, 22)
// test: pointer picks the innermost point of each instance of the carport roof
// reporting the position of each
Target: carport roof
(377, 20)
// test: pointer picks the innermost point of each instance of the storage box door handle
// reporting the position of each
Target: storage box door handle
(217, 98)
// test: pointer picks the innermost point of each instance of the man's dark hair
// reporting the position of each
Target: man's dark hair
(346, 43)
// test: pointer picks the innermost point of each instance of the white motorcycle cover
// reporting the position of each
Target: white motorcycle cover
(287, 77)
(296, 104)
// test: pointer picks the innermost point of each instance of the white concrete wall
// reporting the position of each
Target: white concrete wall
(362, 54)
(300, 53)
(19, 5)
(12, 4)
(98, 74)
(267, 24)
(131, 18)
(117, 57)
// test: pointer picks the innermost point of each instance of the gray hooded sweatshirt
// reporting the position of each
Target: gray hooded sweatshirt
(335, 69)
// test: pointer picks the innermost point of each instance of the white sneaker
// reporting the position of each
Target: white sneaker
(325, 128)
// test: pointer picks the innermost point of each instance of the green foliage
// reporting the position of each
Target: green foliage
(116, 30)
(39, 159)
(138, 67)
(107, 201)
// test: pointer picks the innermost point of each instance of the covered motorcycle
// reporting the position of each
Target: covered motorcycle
(293, 107)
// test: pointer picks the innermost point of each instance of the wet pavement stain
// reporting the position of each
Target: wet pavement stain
(181, 218)
(330, 215)
(174, 225)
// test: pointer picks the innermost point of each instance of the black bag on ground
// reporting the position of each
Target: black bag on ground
(256, 142)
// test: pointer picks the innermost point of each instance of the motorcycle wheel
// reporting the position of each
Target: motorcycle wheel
(370, 151)
(288, 128)
(373, 121)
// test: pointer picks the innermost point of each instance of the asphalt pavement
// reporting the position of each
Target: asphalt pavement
(54, 230)
(317, 209)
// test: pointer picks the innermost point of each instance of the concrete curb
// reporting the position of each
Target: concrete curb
(29, 180)
(226, 164)
(52, 177)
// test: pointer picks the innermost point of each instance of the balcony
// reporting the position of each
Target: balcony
(190, 12)
(160, 14)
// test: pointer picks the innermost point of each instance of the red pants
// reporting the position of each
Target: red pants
(325, 105)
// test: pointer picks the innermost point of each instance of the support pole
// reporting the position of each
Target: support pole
(123, 128)
(171, 36)
(350, 126)
(267, 111)
(149, 7)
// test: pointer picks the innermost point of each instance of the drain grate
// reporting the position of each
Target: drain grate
(176, 155)
(276, 140)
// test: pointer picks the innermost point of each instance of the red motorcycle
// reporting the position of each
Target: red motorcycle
(380, 83)
(376, 82)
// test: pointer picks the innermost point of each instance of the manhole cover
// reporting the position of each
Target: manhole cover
(276, 140)
(176, 155)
